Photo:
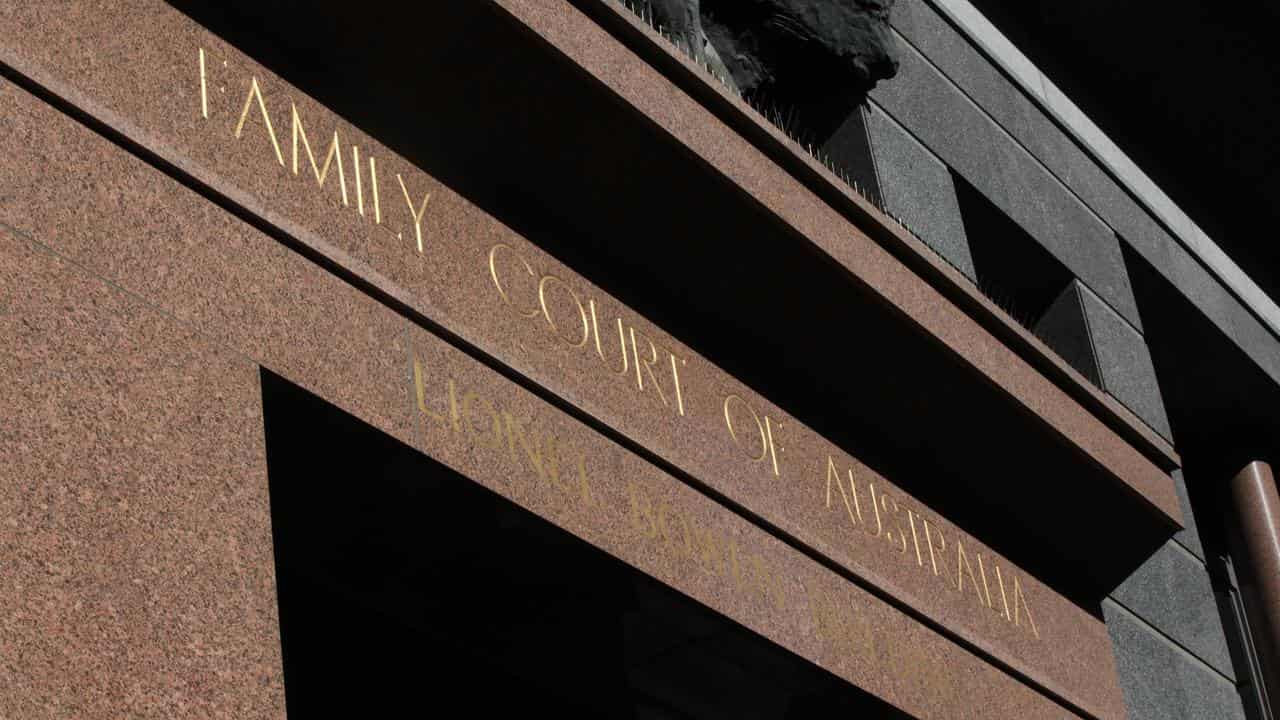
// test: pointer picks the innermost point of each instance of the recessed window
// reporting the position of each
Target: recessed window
(406, 590)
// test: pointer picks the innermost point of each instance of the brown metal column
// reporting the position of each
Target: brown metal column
(1257, 511)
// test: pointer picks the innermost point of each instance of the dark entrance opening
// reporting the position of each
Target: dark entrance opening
(404, 587)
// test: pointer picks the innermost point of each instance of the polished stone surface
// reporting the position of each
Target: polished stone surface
(1189, 536)
(255, 294)
(1164, 682)
(929, 32)
(246, 173)
(136, 535)
(1257, 505)
(917, 187)
(145, 339)
(952, 126)
(664, 527)
(1172, 593)
(1125, 363)
(1064, 328)
(1087, 177)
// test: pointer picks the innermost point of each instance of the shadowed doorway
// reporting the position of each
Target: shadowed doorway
(406, 588)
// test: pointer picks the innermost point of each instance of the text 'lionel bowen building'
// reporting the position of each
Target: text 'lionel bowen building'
(589, 358)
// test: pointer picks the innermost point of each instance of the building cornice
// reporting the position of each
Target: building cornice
(1090, 137)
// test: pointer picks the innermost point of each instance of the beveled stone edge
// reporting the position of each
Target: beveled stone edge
(587, 46)
(210, 184)
(1100, 449)
(418, 322)
(211, 187)
(908, 249)
(1110, 158)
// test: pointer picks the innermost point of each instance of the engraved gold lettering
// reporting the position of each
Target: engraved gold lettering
(373, 184)
(822, 616)
(355, 163)
(642, 517)
(915, 538)
(417, 214)
(833, 474)
(546, 312)
(735, 564)
(622, 341)
(584, 485)
(646, 364)
(733, 433)
(773, 453)
(419, 386)
(454, 413)
(683, 544)
(552, 455)
(532, 449)
(675, 379)
(929, 533)
(875, 505)
(708, 543)
(565, 484)
(494, 440)
(964, 568)
(767, 582)
(1004, 601)
(334, 151)
(885, 500)
(502, 292)
(256, 92)
(853, 490)
(1020, 601)
(204, 89)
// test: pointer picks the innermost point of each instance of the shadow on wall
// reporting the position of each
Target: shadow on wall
(810, 62)
(488, 109)
(405, 587)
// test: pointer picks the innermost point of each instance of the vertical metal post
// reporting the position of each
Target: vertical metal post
(1256, 505)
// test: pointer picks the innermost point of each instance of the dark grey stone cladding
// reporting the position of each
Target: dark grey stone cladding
(1160, 680)
(951, 109)
(1124, 362)
(1171, 592)
(1064, 328)
(943, 119)
(1189, 536)
(915, 186)
(947, 129)
(971, 74)
(1094, 339)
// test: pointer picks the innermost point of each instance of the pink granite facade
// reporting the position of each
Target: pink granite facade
(138, 305)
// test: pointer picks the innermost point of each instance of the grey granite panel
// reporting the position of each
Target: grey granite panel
(995, 92)
(953, 53)
(1064, 329)
(1111, 156)
(1163, 682)
(925, 28)
(1222, 308)
(1125, 363)
(934, 110)
(849, 148)
(917, 187)
(1189, 536)
(1183, 271)
(1171, 592)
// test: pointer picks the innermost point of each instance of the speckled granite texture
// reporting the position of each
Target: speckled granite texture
(254, 298)
(143, 537)
(159, 104)
(667, 529)
(135, 540)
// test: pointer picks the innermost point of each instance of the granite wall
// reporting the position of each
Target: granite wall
(952, 113)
